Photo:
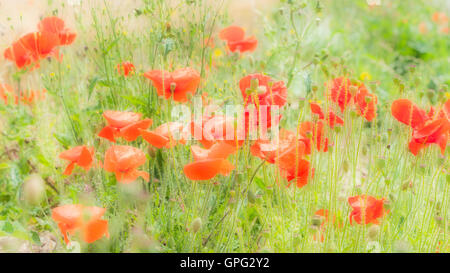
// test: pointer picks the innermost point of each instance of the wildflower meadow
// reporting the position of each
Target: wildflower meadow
(198, 126)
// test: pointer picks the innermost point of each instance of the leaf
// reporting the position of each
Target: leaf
(8, 227)
(35, 238)
(260, 183)
(64, 140)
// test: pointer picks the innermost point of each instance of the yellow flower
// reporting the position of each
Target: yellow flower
(217, 52)
(447, 95)
(365, 75)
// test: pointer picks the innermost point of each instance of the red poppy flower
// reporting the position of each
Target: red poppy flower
(217, 128)
(5, 89)
(332, 118)
(267, 91)
(408, 113)
(27, 51)
(366, 102)
(340, 92)
(316, 109)
(177, 84)
(82, 156)
(166, 135)
(73, 218)
(435, 132)
(236, 40)
(298, 173)
(287, 154)
(56, 26)
(209, 162)
(445, 111)
(125, 68)
(366, 208)
(124, 161)
(123, 124)
(314, 132)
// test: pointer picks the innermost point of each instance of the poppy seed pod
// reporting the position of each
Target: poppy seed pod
(196, 224)
(316, 220)
(34, 189)
(251, 196)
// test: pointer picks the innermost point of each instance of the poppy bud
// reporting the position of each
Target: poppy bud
(172, 87)
(251, 196)
(345, 166)
(373, 232)
(316, 220)
(196, 225)
(254, 83)
(34, 189)
(151, 151)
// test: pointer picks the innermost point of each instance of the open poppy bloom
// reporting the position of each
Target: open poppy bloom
(435, 132)
(124, 161)
(263, 92)
(340, 92)
(217, 128)
(86, 220)
(177, 84)
(316, 109)
(57, 26)
(332, 118)
(82, 156)
(165, 135)
(287, 153)
(210, 162)
(366, 102)
(236, 40)
(408, 113)
(366, 209)
(28, 50)
(123, 124)
(427, 128)
(126, 69)
(260, 89)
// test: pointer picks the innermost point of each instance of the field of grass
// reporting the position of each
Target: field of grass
(374, 179)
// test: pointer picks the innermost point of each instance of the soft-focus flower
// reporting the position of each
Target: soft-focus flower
(340, 92)
(82, 156)
(124, 161)
(126, 69)
(176, 84)
(408, 113)
(57, 27)
(86, 220)
(366, 103)
(210, 162)
(236, 40)
(427, 128)
(165, 135)
(366, 209)
(123, 124)
(28, 50)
